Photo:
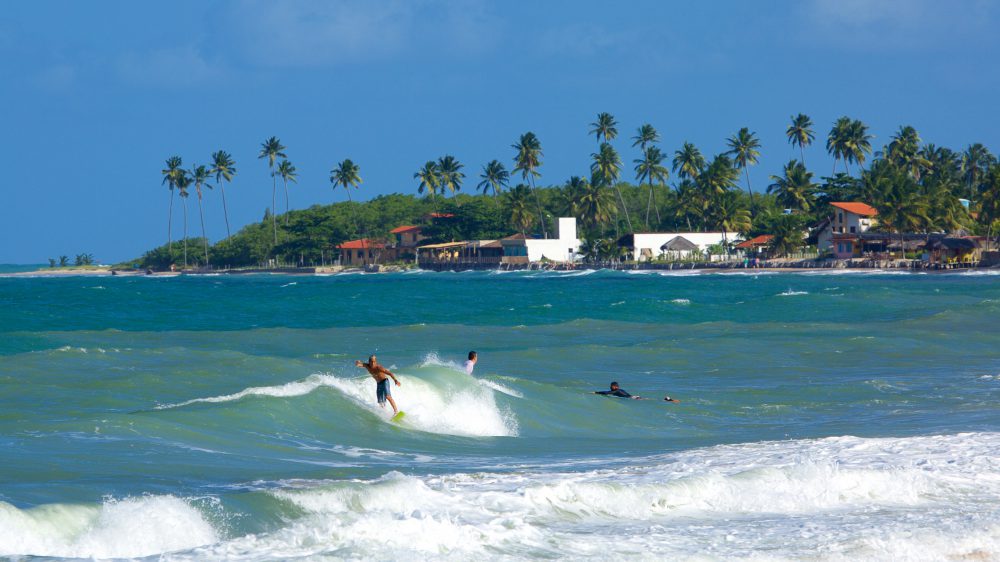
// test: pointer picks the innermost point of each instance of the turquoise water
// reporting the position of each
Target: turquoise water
(822, 416)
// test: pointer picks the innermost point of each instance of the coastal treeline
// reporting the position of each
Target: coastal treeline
(631, 185)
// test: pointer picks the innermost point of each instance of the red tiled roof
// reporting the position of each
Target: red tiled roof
(402, 229)
(856, 208)
(762, 240)
(360, 245)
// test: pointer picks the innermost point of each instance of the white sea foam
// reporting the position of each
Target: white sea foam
(468, 411)
(294, 388)
(921, 498)
(432, 359)
(681, 301)
(791, 293)
(126, 528)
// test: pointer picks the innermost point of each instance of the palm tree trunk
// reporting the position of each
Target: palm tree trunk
(802, 153)
(656, 207)
(284, 181)
(746, 171)
(624, 208)
(649, 203)
(170, 222)
(538, 203)
(225, 210)
(201, 213)
(185, 233)
(357, 227)
(274, 221)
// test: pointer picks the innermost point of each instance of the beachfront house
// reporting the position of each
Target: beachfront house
(644, 246)
(847, 219)
(758, 246)
(406, 239)
(565, 247)
(352, 252)
(948, 252)
(466, 254)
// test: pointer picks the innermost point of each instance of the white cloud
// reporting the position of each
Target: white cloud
(56, 78)
(311, 33)
(579, 39)
(882, 24)
(177, 67)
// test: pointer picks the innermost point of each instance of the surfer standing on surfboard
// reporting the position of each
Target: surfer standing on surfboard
(381, 376)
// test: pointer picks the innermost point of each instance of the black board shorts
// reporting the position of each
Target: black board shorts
(382, 390)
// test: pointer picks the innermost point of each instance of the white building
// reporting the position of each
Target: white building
(565, 247)
(846, 218)
(649, 245)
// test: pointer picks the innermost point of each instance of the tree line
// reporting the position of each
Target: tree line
(915, 186)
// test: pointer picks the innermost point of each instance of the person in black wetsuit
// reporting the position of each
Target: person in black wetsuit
(616, 391)
(620, 393)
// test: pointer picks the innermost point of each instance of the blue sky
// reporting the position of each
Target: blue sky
(95, 95)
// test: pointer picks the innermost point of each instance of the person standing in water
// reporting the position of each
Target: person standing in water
(381, 376)
(470, 363)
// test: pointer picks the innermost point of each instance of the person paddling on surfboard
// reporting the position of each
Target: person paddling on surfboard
(617, 391)
(381, 376)
(620, 393)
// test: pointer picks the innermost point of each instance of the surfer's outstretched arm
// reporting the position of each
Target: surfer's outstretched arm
(394, 379)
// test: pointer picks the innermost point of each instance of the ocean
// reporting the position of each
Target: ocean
(821, 416)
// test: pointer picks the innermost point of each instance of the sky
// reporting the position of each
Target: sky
(94, 96)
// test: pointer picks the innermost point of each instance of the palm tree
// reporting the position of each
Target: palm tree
(527, 161)
(730, 215)
(800, 133)
(170, 178)
(836, 141)
(606, 168)
(591, 202)
(288, 173)
(272, 150)
(200, 176)
(902, 207)
(719, 176)
(745, 149)
(989, 209)
(519, 208)
(450, 173)
(605, 126)
(976, 161)
(430, 179)
(347, 175)
(858, 144)
(183, 181)
(794, 190)
(646, 134)
(688, 161)
(688, 202)
(494, 176)
(650, 168)
(224, 169)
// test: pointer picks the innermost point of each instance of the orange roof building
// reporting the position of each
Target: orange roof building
(404, 229)
(861, 209)
(755, 242)
(360, 245)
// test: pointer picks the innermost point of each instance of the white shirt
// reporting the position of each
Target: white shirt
(469, 366)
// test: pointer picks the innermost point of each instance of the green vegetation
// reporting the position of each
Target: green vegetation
(915, 186)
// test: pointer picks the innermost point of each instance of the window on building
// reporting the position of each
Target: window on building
(853, 229)
(840, 217)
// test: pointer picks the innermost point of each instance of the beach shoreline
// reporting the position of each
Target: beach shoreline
(790, 267)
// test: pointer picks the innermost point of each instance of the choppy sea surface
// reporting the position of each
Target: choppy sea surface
(821, 417)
